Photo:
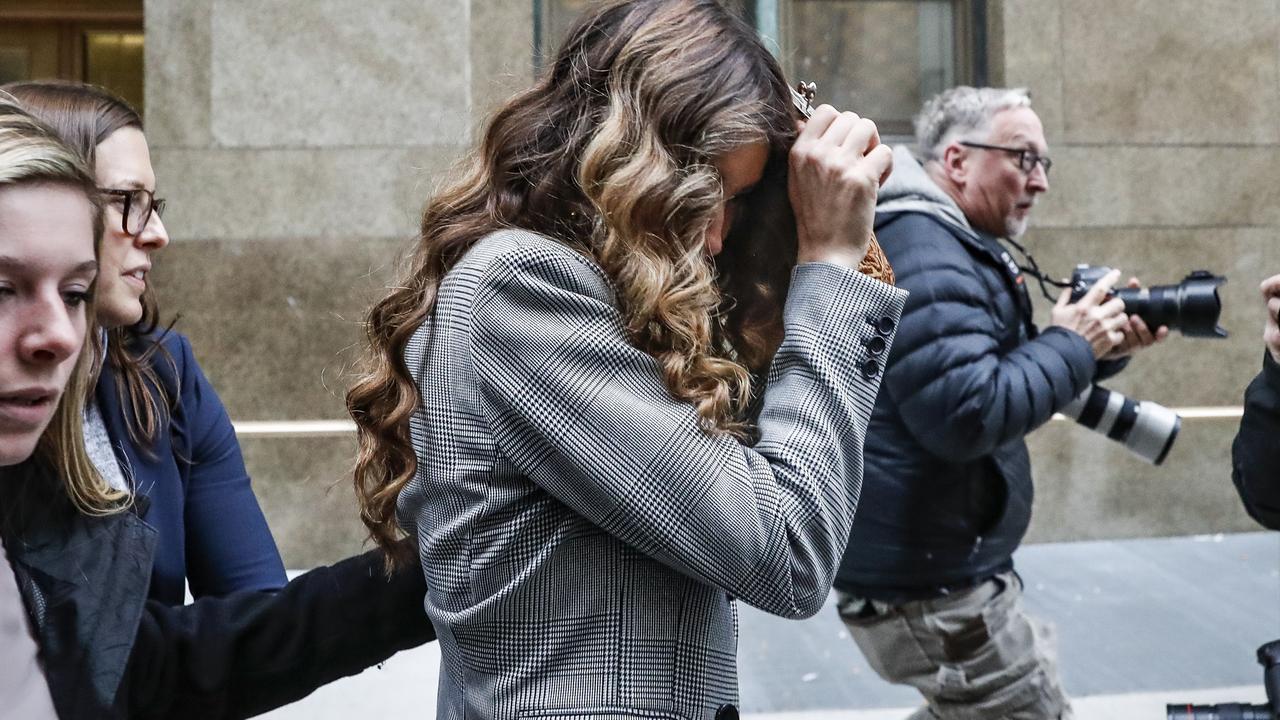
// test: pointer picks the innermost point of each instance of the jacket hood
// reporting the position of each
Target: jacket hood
(910, 189)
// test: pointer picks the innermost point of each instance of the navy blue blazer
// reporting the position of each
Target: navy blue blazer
(211, 530)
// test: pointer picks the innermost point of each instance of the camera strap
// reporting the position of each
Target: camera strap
(1013, 273)
(1032, 268)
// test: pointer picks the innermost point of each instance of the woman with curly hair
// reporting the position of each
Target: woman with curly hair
(559, 402)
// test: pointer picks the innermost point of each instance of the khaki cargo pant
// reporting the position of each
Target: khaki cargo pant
(973, 654)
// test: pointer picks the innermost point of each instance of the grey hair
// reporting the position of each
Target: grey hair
(961, 111)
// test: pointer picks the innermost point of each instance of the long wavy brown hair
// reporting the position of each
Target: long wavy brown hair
(83, 116)
(612, 152)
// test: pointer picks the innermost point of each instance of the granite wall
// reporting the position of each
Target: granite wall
(297, 139)
(1161, 117)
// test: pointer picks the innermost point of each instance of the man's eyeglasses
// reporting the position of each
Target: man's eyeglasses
(1027, 159)
(138, 206)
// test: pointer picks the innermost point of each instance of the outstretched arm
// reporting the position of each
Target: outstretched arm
(249, 652)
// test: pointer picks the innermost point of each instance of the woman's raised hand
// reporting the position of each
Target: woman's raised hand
(836, 167)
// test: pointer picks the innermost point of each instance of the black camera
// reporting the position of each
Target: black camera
(1192, 306)
(1269, 659)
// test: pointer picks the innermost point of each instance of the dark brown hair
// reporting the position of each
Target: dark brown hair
(83, 116)
(612, 152)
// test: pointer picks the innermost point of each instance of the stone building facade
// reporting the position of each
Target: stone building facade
(297, 140)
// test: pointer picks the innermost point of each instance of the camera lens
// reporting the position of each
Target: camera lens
(1145, 428)
(1201, 305)
(1192, 306)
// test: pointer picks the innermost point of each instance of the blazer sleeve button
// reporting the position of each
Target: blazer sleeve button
(727, 712)
(877, 345)
(885, 325)
(870, 368)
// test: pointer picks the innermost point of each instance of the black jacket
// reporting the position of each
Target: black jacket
(1255, 454)
(947, 495)
(109, 652)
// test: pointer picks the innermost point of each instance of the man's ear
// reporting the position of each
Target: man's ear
(955, 163)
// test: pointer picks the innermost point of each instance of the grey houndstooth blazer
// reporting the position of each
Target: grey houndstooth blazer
(582, 539)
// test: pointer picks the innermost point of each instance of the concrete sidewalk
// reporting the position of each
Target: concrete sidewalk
(1141, 623)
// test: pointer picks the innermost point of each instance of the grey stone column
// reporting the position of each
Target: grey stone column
(296, 141)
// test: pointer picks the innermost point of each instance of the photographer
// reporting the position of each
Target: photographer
(927, 587)
(1255, 454)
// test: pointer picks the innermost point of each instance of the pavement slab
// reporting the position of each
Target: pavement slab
(1140, 623)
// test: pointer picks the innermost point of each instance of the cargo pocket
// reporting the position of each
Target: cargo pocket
(890, 646)
(1024, 660)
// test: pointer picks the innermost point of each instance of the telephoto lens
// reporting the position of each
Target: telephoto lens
(1191, 307)
(1222, 711)
(1145, 428)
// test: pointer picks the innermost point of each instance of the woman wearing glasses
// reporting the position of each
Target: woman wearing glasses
(78, 637)
(155, 426)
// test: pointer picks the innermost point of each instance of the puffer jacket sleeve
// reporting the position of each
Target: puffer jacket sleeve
(1255, 454)
(588, 417)
(959, 395)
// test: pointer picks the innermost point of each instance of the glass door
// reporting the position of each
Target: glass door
(100, 42)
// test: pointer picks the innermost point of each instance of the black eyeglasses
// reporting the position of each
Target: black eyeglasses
(138, 206)
(1027, 159)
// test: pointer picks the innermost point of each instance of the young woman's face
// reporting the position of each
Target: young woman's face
(123, 162)
(740, 171)
(47, 267)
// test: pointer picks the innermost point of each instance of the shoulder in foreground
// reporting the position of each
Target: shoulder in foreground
(171, 340)
(536, 258)
(917, 241)
(915, 227)
(512, 244)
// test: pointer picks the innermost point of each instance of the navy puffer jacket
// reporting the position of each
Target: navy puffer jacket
(947, 495)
